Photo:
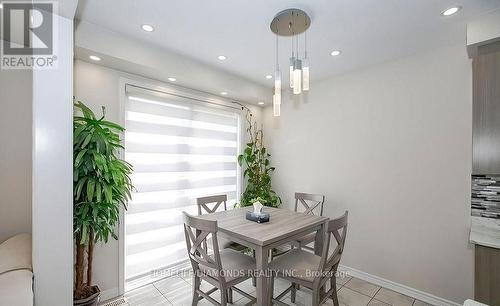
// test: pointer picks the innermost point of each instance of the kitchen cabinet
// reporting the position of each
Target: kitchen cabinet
(486, 113)
(487, 275)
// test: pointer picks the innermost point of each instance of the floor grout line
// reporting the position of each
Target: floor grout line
(373, 298)
(154, 285)
(364, 293)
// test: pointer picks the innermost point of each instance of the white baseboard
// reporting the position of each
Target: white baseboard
(109, 294)
(414, 293)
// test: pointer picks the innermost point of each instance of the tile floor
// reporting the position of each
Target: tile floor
(176, 290)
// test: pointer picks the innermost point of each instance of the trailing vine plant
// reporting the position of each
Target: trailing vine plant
(257, 169)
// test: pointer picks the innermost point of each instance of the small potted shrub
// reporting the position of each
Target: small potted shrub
(101, 186)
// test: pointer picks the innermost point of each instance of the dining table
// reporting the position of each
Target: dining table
(283, 227)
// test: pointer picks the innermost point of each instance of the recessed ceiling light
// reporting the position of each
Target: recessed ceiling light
(1, 6)
(172, 79)
(451, 11)
(222, 57)
(335, 53)
(261, 103)
(95, 58)
(147, 28)
(269, 76)
(223, 93)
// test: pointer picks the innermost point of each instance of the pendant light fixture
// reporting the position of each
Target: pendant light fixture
(305, 67)
(297, 77)
(291, 23)
(292, 64)
(277, 85)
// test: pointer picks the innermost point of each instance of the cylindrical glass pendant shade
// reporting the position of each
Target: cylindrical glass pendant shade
(297, 77)
(277, 105)
(292, 63)
(277, 82)
(305, 74)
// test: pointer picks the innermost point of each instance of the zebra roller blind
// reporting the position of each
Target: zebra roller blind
(181, 149)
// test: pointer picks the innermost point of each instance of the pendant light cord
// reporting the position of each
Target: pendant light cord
(305, 44)
(277, 52)
(297, 45)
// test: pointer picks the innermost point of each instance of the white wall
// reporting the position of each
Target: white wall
(52, 176)
(98, 86)
(391, 144)
(15, 152)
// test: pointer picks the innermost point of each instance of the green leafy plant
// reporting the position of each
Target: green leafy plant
(101, 185)
(257, 168)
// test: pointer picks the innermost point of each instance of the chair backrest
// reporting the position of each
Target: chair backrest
(205, 203)
(197, 232)
(311, 203)
(338, 228)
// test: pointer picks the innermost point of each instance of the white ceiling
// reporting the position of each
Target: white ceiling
(367, 31)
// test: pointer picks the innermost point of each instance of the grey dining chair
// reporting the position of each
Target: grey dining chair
(222, 269)
(210, 205)
(310, 270)
(309, 204)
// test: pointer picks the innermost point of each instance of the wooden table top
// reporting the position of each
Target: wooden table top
(283, 223)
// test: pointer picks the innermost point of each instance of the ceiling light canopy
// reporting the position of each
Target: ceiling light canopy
(269, 76)
(291, 23)
(451, 11)
(95, 58)
(261, 103)
(335, 53)
(221, 57)
(224, 93)
(171, 79)
(147, 28)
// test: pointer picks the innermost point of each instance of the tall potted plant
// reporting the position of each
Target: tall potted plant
(101, 186)
(255, 161)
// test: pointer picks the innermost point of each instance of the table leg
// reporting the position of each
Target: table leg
(319, 239)
(262, 292)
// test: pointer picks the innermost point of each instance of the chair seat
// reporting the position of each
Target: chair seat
(233, 263)
(301, 262)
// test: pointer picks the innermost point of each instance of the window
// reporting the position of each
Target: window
(181, 149)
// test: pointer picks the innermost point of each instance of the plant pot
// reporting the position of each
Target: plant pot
(92, 300)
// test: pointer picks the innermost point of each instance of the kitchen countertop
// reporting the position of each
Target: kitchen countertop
(485, 232)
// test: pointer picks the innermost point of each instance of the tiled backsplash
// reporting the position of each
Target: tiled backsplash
(486, 196)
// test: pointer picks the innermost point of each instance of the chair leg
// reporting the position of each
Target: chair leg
(293, 293)
(333, 285)
(297, 286)
(196, 286)
(300, 248)
(230, 295)
(223, 297)
(271, 289)
(254, 279)
(315, 297)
